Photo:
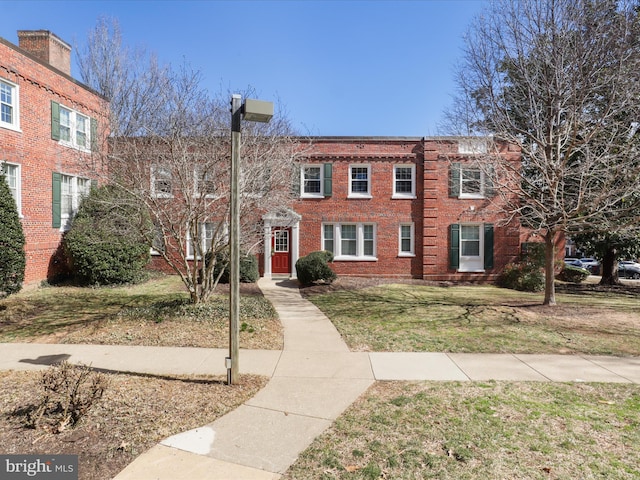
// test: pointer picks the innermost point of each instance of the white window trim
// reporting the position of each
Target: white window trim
(304, 194)
(472, 260)
(197, 174)
(76, 198)
(473, 146)
(405, 195)
(73, 129)
(15, 125)
(154, 193)
(476, 196)
(203, 239)
(337, 242)
(359, 194)
(18, 197)
(412, 252)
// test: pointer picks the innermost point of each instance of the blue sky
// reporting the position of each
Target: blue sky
(379, 68)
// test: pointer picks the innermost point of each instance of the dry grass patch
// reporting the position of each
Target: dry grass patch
(154, 313)
(481, 430)
(134, 414)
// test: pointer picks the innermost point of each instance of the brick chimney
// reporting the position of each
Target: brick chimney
(47, 47)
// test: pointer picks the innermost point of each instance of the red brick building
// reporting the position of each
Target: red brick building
(405, 207)
(51, 128)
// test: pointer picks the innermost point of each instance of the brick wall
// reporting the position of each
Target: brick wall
(38, 155)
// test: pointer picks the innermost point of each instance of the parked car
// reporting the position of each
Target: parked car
(574, 262)
(591, 264)
(629, 262)
(629, 270)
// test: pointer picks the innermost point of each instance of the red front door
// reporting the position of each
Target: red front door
(280, 248)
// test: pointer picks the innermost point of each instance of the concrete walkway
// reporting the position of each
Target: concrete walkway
(313, 380)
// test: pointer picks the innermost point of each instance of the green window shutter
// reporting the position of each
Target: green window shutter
(56, 200)
(454, 246)
(55, 120)
(454, 180)
(94, 135)
(94, 184)
(328, 179)
(488, 246)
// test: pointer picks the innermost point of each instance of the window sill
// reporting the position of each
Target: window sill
(469, 196)
(314, 196)
(403, 197)
(406, 255)
(355, 259)
(10, 126)
(471, 271)
(359, 197)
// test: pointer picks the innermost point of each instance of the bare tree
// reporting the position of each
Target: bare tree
(170, 148)
(559, 79)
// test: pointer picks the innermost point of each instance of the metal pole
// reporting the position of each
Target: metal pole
(234, 241)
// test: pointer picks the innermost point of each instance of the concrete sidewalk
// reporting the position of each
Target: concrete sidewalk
(313, 380)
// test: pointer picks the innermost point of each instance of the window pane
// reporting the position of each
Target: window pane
(367, 233)
(348, 240)
(328, 238)
(66, 190)
(404, 182)
(282, 241)
(312, 180)
(405, 238)
(471, 181)
(6, 103)
(359, 180)
(470, 240)
(81, 130)
(65, 125)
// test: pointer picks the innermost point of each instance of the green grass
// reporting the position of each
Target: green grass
(494, 430)
(487, 319)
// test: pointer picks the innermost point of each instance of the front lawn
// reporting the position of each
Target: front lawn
(480, 318)
(153, 313)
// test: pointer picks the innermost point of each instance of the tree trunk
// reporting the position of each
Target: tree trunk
(549, 268)
(609, 268)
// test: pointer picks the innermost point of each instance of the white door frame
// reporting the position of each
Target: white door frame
(285, 218)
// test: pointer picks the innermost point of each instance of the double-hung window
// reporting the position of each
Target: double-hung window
(161, 185)
(68, 193)
(72, 128)
(404, 181)
(311, 181)
(470, 180)
(406, 240)
(360, 181)
(9, 112)
(205, 235)
(11, 173)
(350, 241)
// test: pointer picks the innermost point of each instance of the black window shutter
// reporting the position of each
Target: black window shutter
(488, 246)
(454, 246)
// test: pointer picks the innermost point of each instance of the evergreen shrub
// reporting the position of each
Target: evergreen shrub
(12, 241)
(315, 268)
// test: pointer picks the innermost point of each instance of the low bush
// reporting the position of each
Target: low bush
(68, 392)
(315, 268)
(527, 275)
(249, 272)
(573, 274)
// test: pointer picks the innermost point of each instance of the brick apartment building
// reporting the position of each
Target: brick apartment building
(51, 127)
(402, 207)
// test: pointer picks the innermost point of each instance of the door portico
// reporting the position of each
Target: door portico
(281, 243)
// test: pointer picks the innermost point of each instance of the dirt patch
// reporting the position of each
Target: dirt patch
(135, 413)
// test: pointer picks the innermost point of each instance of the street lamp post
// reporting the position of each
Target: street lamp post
(254, 111)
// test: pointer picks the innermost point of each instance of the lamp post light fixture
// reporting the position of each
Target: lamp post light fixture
(253, 111)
